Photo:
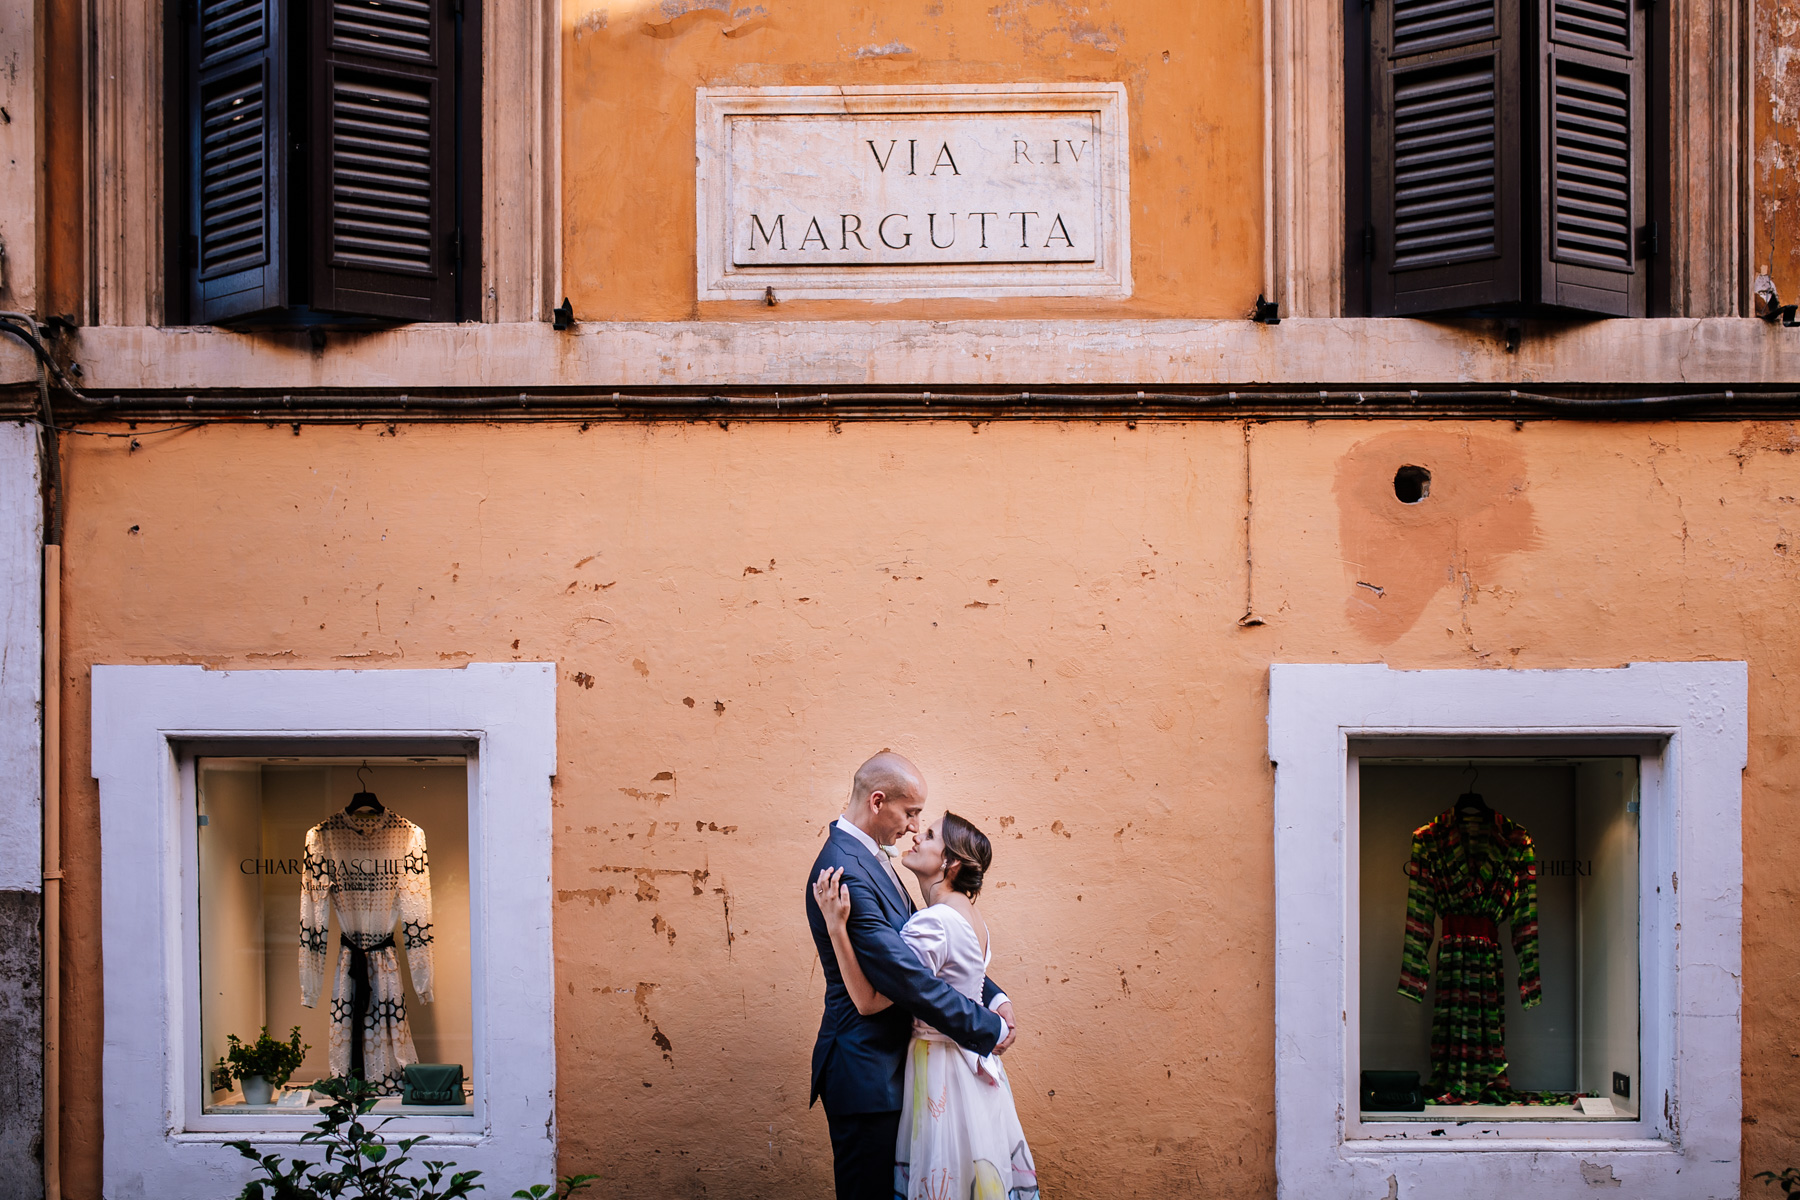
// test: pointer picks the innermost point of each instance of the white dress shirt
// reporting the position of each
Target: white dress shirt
(883, 857)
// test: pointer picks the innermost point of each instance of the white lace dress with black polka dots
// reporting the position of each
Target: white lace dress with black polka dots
(373, 870)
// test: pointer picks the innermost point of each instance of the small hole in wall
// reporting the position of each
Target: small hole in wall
(1412, 484)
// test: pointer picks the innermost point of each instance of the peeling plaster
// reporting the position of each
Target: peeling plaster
(1599, 1175)
(1777, 144)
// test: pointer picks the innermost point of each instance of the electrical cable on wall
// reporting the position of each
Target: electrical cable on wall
(576, 406)
(27, 330)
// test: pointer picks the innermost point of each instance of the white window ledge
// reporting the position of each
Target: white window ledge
(1721, 352)
(159, 1143)
(1686, 1142)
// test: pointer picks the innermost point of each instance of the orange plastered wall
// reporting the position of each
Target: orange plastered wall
(1775, 101)
(1044, 616)
(1193, 72)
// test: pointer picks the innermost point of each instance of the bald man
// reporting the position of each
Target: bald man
(859, 1063)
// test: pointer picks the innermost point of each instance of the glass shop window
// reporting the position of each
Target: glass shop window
(1499, 938)
(334, 896)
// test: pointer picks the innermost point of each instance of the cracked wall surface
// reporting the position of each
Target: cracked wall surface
(21, 1046)
(1775, 102)
(1043, 615)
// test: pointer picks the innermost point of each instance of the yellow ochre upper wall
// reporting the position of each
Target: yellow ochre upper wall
(1192, 72)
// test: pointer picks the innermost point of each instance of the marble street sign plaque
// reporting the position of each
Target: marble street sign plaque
(886, 193)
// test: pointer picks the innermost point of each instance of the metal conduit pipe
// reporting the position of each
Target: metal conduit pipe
(375, 407)
(52, 769)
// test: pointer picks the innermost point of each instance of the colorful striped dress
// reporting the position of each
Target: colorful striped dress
(1477, 874)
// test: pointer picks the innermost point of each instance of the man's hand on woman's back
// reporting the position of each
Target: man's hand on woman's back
(1012, 1028)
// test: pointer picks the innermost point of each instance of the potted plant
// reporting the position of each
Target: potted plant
(262, 1066)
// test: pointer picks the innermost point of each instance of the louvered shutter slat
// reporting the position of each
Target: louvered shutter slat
(400, 29)
(1422, 25)
(1445, 143)
(385, 184)
(1444, 152)
(1592, 156)
(382, 153)
(234, 186)
(237, 134)
(1595, 24)
(1591, 166)
(229, 28)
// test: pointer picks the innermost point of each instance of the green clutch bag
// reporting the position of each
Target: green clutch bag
(432, 1083)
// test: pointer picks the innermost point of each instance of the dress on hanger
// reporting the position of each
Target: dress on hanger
(374, 871)
(1476, 874)
(959, 1132)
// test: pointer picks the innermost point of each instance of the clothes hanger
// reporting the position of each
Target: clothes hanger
(364, 801)
(1470, 802)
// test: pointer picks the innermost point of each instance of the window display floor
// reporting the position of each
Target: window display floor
(387, 1106)
(1463, 1114)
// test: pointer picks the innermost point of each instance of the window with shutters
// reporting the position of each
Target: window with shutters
(1504, 157)
(328, 171)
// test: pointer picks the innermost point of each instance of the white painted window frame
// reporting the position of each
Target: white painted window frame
(1686, 1142)
(159, 1141)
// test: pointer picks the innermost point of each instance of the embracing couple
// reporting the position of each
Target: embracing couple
(907, 1059)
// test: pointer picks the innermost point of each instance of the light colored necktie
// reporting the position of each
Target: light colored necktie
(888, 863)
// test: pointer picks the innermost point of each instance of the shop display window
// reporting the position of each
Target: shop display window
(1498, 928)
(333, 895)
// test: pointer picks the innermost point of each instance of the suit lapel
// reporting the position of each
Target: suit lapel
(884, 882)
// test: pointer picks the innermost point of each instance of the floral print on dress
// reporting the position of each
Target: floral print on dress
(960, 1137)
(374, 871)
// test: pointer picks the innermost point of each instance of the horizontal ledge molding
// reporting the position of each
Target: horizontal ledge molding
(1681, 353)
(727, 405)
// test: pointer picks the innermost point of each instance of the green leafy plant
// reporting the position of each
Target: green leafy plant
(566, 1187)
(1789, 1179)
(360, 1165)
(274, 1061)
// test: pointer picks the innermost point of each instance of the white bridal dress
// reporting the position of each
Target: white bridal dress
(959, 1133)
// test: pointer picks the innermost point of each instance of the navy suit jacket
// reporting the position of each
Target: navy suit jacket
(859, 1063)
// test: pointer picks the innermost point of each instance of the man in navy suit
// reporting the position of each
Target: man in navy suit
(859, 1063)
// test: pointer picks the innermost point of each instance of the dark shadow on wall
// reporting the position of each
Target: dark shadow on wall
(21, 1046)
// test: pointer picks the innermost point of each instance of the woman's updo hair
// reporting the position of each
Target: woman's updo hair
(965, 844)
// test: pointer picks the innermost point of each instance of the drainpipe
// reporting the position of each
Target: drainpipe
(52, 869)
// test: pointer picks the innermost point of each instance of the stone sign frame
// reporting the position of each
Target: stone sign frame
(1108, 277)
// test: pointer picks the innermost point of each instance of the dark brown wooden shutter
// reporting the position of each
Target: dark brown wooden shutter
(1445, 150)
(1592, 139)
(383, 195)
(237, 141)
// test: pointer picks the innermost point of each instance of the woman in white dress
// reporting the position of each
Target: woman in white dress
(960, 1137)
